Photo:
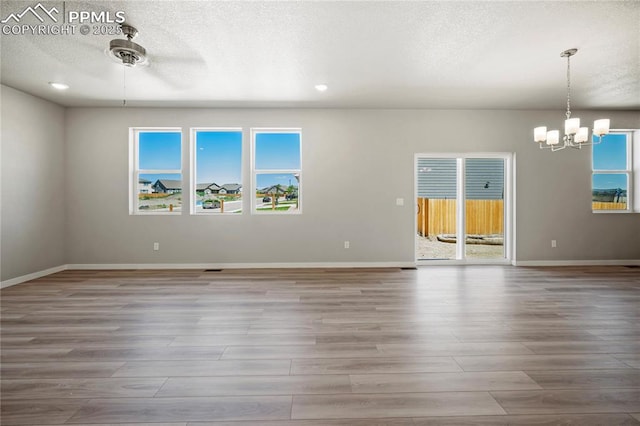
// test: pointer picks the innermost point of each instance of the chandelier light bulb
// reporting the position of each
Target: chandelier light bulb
(571, 126)
(582, 135)
(540, 134)
(601, 127)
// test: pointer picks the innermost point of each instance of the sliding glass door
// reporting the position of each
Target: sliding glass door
(463, 207)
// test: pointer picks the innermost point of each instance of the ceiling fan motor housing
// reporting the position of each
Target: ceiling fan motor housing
(127, 51)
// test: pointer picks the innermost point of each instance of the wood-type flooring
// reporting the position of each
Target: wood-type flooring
(440, 345)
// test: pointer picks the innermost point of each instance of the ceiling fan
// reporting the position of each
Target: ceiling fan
(125, 50)
(169, 68)
(164, 62)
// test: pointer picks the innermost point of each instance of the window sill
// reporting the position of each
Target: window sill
(155, 214)
(613, 211)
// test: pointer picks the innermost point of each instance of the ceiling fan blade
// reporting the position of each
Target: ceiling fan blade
(78, 53)
(180, 73)
(170, 58)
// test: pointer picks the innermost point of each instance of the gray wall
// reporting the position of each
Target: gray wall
(370, 152)
(33, 185)
(65, 195)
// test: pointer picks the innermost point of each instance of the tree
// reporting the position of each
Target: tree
(275, 191)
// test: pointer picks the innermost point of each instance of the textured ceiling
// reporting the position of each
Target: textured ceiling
(386, 54)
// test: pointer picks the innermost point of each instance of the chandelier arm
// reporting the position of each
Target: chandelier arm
(591, 143)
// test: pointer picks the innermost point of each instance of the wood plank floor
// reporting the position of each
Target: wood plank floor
(475, 345)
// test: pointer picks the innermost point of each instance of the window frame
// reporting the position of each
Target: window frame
(135, 172)
(509, 198)
(255, 172)
(193, 166)
(628, 172)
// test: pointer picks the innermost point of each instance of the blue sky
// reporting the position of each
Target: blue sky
(609, 181)
(219, 156)
(277, 151)
(160, 150)
(611, 154)
(284, 179)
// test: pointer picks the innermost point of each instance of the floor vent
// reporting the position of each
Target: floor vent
(213, 270)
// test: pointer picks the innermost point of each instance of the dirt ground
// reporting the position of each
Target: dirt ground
(431, 248)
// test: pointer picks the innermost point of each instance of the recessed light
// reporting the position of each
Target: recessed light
(321, 87)
(59, 86)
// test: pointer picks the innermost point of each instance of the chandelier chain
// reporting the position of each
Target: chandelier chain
(568, 87)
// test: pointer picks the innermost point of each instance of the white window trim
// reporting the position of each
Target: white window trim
(632, 165)
(255, 172)
(134, 172)
(192, 158)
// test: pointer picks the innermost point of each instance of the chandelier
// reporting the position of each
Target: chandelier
(574, 135)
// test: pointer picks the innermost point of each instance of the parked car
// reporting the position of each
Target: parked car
(211, 204)
(291, 196)
(266, 200)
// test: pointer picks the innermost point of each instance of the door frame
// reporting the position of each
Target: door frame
(509, 208)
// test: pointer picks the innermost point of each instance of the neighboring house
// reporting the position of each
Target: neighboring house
(207, 188)
(167, 186)
(144, 186)
(274, 188)
(213, 188)
(230, 188)
(202, 186)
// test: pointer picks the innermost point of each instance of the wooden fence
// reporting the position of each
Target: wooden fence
(436, 216)
(598, 205)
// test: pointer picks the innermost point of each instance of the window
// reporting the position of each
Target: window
(156, 171)
(612, 173)
(216, 171)
(276, 170)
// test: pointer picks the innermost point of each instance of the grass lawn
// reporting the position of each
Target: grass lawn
(277, 208)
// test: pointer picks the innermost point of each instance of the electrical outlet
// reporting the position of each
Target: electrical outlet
(156, 246)
(554, 244)
(399, 201)
(346, 244)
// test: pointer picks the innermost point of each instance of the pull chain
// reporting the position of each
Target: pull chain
(124, 86)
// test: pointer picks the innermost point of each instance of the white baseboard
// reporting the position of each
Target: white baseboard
(241, 265)
(576, 262)
(115, 266)
(32, 276)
